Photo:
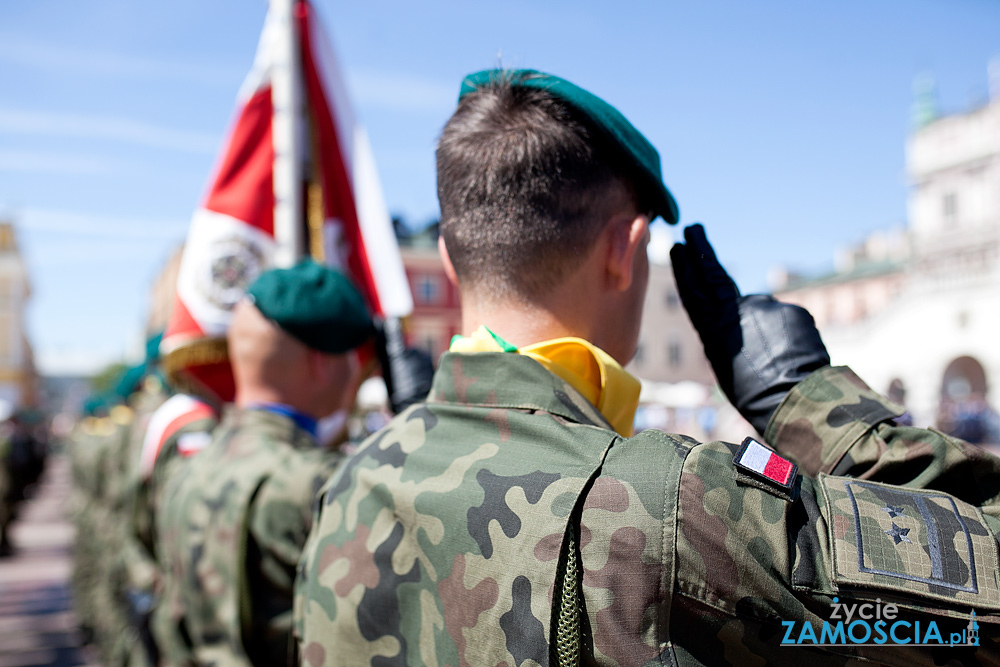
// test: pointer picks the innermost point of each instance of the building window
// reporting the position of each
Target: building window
(5, 337)
(429, 344)
(950, 207)
(674, 354)
(860, 302)
(639, 353)
(428, 289)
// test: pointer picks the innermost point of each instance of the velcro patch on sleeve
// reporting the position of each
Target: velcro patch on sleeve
(189, 444)
(761, 461)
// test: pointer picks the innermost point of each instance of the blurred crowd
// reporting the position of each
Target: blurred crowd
(24, 445)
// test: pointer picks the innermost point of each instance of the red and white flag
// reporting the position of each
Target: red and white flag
(253, 217)
(764, 462)
(178, 411)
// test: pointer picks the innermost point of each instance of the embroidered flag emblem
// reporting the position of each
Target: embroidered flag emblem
(761, 461)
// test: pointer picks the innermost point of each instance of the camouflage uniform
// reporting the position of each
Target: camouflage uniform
(85, 451)
(229, 539)
(96, 448)
(505, 523)
(114, 632)
(175, 430)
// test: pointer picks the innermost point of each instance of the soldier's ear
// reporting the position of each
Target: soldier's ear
(449, 268)
(627, 236)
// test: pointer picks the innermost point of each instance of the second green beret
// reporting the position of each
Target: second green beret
(315, 304)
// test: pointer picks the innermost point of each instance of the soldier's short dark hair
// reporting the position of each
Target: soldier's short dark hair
(525, 186)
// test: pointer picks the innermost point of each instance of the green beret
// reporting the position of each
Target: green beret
(635, 149)
(314, 304)
(153, 347)
(129, 380)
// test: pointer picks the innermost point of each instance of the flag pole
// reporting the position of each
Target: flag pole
(288, 136)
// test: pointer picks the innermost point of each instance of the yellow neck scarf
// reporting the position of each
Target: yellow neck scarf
(584, 366)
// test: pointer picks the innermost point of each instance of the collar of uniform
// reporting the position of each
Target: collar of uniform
(584, 366)
(272, 425)
(303, 420)
(514, 381)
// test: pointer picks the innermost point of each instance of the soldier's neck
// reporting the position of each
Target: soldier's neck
(521, 324)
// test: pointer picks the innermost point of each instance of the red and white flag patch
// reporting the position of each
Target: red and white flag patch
(762, 462)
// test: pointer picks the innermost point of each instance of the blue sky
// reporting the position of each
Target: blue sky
(781, 125)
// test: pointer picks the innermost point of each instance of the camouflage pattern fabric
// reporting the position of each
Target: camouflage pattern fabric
(96, 567)
(84, 451)
(145, 578)
(117, 637)
(444, 540)
(229, 539)
(832, 422)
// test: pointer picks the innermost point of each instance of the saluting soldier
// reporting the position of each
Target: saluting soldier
(236, 517)
(514, 519)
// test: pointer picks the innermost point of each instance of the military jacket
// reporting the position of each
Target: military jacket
(446, 539)
(229, 538)
(168, 453)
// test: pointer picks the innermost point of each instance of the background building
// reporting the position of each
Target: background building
(437, 310)
(18, 377)
(679, 392)
(918, 309)
(669, 349)
(162, 294)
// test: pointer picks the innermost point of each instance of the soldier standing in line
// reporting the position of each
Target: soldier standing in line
(234, 523)
(144, 392)
(86, 449)
(160, 423)
(97, 546)
(514, 519)
(178, 429)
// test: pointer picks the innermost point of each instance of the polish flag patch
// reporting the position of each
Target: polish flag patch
(761, 461)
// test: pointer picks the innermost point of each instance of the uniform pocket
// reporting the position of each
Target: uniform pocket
(927, 546)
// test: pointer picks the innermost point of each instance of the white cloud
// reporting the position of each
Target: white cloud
(126, 130)
(58, 58)
(56, 163)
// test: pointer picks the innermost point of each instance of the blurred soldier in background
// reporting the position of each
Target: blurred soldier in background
(143, 392)
(23, 447)
(98, 445)
(151, 450)
(236, 518)
(85, 449)
(6, 493)
(178, 429)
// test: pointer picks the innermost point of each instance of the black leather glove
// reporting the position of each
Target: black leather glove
(408, 372)
(412, 375)
(759, 348)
